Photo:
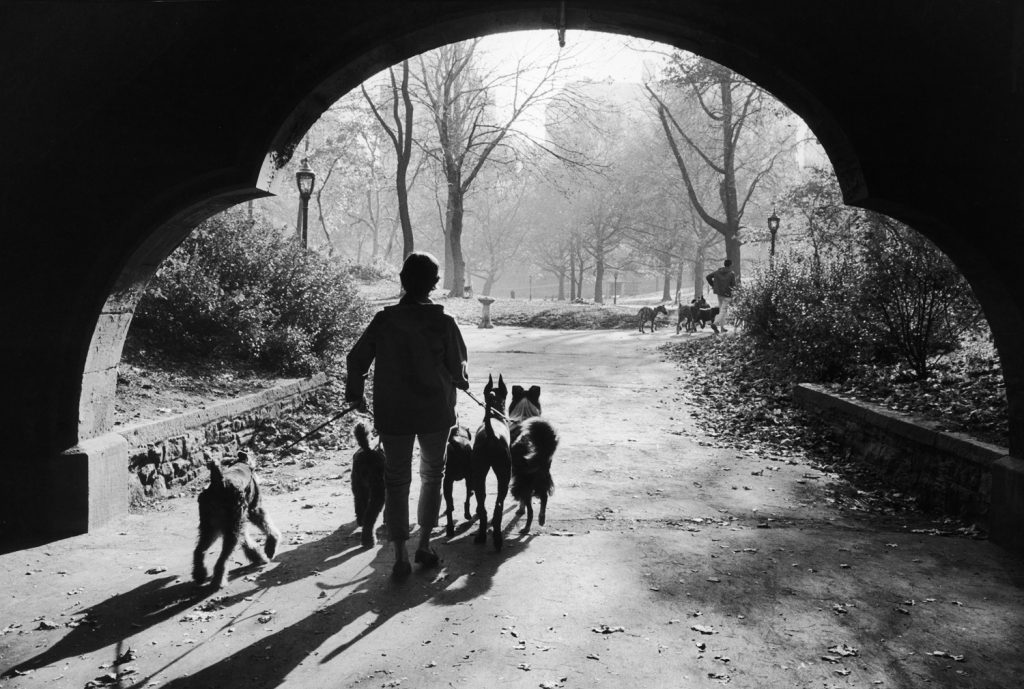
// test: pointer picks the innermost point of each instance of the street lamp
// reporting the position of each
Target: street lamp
(304, 179)
(773, 228)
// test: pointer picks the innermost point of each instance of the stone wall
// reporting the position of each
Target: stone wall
(169, 452)
(947, 472)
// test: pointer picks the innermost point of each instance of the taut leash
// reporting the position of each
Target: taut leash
(328, 421)
(493, 411)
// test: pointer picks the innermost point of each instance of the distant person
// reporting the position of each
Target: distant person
(420, 361)
(722, 282)
(512, 294)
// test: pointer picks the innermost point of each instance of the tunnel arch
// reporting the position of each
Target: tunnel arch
(338, 79)
(197, 161)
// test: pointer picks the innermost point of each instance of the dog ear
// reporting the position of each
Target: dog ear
(501, 386)
(517, 392)
(490, 384)
(534, 394)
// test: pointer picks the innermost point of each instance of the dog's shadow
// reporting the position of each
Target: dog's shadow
(467, 571)
(120, 616)
(128, 614)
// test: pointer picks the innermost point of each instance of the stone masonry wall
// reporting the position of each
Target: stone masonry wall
(947, 472)
(169, 452)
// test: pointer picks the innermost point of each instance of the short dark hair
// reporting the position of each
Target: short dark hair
(728, 262)
(419, 273)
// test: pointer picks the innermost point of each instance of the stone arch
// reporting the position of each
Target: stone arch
(172, 119)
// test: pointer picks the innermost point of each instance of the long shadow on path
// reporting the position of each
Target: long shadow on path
(376, 597)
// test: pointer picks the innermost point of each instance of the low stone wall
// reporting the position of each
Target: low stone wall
(947, 472)
(169, 452)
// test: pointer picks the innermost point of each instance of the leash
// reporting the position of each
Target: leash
(493, 411)
(334, 418)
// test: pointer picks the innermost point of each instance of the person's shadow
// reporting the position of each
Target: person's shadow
(374, 596)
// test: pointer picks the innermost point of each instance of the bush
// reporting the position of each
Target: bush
(895, 296)
(241, 290)
(809, 316)
(921, 303)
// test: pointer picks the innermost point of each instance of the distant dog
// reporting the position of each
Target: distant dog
(648, 315)
(697, 311)
(491, 452)
(367, 483)
(231, 499)
(534, 442)
(458, 466)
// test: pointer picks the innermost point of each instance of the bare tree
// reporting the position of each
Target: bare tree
(399, 130)
(723, 110)
(471, 132)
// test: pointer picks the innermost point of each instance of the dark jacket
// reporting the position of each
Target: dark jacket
(421, 359)
(722, 281)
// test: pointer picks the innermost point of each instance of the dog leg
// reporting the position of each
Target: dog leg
(503, 475)
(261, 519)
(207, 535)
(449, 508)
(469, 494)
(543, 508)
(373, 510)
(230, 540)
(528, 504)
(479, 487)
(252, 553)
(359, 499)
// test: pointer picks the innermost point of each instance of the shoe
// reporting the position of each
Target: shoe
(401, 569)
(427, 558)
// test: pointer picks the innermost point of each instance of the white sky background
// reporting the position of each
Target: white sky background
(591, 55)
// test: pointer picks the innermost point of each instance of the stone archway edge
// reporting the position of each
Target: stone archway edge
(171, 446)
(947, 472)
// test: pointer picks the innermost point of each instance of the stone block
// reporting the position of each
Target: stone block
(1006, 509)
(88, 482)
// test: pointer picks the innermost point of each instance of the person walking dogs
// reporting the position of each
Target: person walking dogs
(722, 281)
(420, 361)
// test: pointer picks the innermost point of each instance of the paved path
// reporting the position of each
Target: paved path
(655, 569)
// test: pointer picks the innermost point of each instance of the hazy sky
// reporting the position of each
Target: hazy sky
(595, 55)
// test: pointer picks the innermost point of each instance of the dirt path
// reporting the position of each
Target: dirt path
(665, 562)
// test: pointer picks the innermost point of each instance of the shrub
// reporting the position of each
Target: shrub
(809, 316)
(240, 290)
(921, 302)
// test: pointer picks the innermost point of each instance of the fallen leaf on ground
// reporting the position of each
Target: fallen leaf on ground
(947, 654)
(703, 629)
(843, 650)
(156, 570)
(605, 629)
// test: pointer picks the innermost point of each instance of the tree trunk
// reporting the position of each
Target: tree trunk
(679, 284)
(700, 285)
(561, 286)
(599, 278)
(458, 264)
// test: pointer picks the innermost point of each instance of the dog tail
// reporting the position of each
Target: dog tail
(216, 471)
(362, 436)
(535, 446)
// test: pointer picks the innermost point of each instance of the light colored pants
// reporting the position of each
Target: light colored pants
(398, 478)
(723, 310)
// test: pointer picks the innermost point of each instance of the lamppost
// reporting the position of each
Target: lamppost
(773, 228)
(304, 179)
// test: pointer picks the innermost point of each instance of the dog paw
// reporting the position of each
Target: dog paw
(480, 538)
(449, 531)
(498, 542)
(367, 540)
(270, 548)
